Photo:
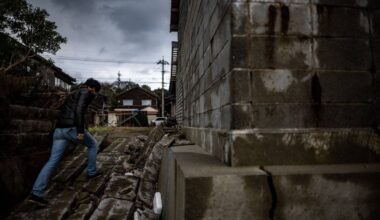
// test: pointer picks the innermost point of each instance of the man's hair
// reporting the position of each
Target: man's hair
(93, 84)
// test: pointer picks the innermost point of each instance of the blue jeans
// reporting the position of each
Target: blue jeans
(61, 138)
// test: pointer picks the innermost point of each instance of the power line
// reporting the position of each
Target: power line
(86, 59)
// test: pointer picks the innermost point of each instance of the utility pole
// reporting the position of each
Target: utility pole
(163, 63)
(118, 79)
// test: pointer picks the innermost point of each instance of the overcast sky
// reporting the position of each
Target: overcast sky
(133, 31)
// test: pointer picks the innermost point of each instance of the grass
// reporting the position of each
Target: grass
(100, 129)
(119, 129)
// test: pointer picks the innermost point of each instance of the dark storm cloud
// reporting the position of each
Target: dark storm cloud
(84, 6)
(102, 50)
(134, 30)
(139, 19)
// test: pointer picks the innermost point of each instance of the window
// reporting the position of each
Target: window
(128, 102)
(146, 102)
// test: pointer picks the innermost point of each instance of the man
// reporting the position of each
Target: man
(69, 128)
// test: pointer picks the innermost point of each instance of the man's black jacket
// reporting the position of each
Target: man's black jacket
(74, 109)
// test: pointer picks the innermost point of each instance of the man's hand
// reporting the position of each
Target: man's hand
(80, 136)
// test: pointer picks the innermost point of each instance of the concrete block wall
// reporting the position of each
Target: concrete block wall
(196, 185)
(294, 69)
(204, 62)
(282, 96)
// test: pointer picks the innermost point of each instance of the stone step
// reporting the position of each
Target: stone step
(73, 168)
(60, 203)
(154, 136)
(195, 185)
(122, 187)
(72, 165)
(116, 146)
(21, 125)
(110, 208)
(27, 112)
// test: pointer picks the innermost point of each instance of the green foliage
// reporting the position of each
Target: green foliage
(146, 87)
(30, 26)
(159, 92)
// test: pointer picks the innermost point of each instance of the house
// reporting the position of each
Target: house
(138, 99)
(51, 77)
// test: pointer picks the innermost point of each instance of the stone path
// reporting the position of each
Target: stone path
(112, 195)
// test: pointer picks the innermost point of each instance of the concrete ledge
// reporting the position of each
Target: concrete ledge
(195, 185)
(288, 146)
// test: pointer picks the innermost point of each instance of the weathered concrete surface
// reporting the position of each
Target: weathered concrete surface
(302, 64)
(289, 146)
(113, 209)
(198, 186)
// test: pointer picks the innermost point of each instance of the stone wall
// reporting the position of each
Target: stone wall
(291, 79)
(25, 147)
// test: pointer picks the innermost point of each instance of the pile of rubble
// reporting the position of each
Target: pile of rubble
(126, 189)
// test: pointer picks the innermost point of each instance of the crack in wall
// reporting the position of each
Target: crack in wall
(273, 192)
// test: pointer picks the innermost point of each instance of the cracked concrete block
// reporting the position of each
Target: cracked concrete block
(342, 54)
(278, 192)
(328, 22)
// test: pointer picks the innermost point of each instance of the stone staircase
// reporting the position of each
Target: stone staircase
(114, 194)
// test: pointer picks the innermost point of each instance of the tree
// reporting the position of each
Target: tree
(146, 87)
(159, 92)
(28, 25)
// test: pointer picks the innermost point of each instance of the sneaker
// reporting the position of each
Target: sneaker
(95, 175)
(38, 200)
